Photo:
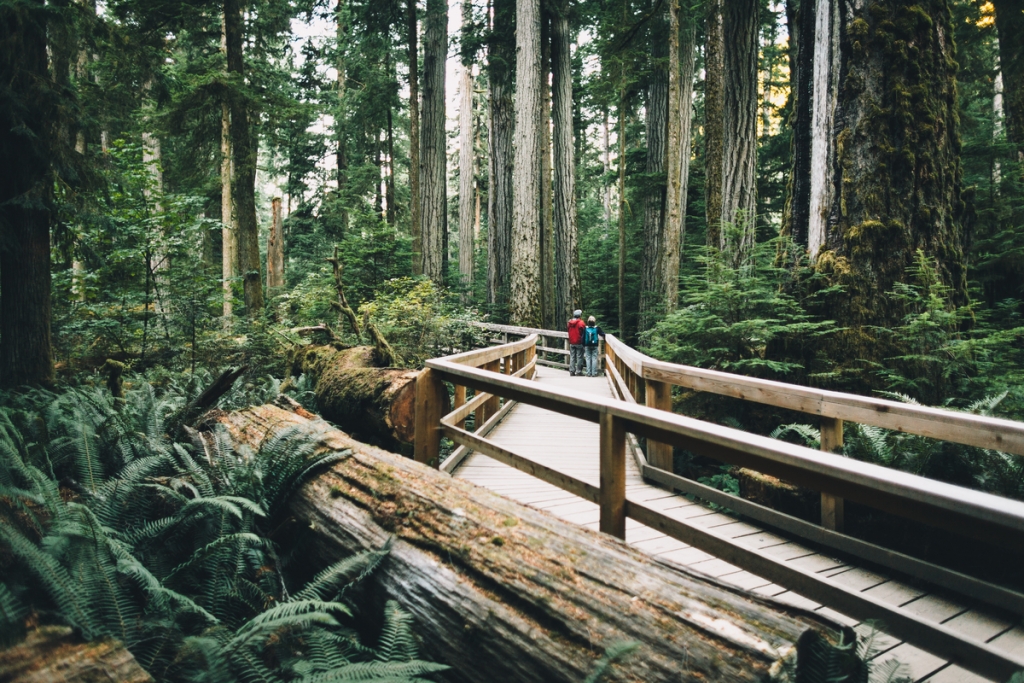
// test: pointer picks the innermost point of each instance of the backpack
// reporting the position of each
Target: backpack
(590, 336)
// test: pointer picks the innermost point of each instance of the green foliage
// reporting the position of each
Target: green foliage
(746, 317)
(419, 321)
(978, 468)
(169, 550)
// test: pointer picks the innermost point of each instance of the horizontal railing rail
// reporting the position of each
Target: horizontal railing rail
(929, 501)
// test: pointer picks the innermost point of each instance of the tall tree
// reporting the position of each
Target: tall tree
(547, 237)
(885, 170)
(654, 235)
(28, 129)
(275, 246)
(433, 155)
(1010, 25)
(668, 265)
(731, 123)
(466, 157)
(229, 249)
(500, 69)
(415, 223)
(244, 149)
(567, 261)
(341, 19)
(525, 299)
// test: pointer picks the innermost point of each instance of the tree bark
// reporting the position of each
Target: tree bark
(657, 108)
(54, 653)
(687, 59)
(525, 298)
(1010, 25)
(27, 136)
(731, 125)
(244, 148)
(275, 246)
(567, 258)
(433, 162)
(415, 226)
(500, 68)
(374, 404)
(885, 161)
(503, 592)
(466, 167)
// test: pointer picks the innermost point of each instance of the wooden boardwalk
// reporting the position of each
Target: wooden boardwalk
(570, 445)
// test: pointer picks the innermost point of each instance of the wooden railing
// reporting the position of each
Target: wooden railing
(504, 371)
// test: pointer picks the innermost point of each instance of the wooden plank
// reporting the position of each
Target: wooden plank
(935, 638)
(659, 396)
(431, 399)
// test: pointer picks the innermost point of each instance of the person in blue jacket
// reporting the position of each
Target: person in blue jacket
(592, 335)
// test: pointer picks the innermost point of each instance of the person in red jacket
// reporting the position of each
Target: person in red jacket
(576, 327)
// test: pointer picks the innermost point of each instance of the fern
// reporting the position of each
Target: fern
(614, 653)
(396, 643)
(810, 436)
(347, 572)
(378, 672)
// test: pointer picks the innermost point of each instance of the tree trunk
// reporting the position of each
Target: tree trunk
(503, 592)
(341, 118)
(1010, 25)
(415, 224)
(886, 178)
(669, 257)
(501, 56)
(796, 214)
(26, 198)
(525, 298)
(54, 653)
(688, 58)
(275, 246)
(606, 157)
(466, 165)
(390, 196)
(731, 125)
(433, 161)
(567, 258)
(227, 218)
(244, 148)
(374, 404)
(651, 275)
(622, 207)
(547, 232)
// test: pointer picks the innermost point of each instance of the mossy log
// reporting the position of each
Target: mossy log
(504, 592)
(54, 653)
(375, 404)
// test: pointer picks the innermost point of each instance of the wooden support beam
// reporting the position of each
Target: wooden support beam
(431, 404)
(831, 442)
(613, 476)
(659, 395)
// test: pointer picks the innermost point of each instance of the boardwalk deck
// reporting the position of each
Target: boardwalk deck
(570, 445)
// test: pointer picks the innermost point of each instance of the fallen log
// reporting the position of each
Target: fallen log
(376, 405)
(54, 653)
(503, 592)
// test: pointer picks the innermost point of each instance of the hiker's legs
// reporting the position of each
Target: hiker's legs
(591, 352)
(576, 359)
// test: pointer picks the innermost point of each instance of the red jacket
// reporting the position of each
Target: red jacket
(576, 326)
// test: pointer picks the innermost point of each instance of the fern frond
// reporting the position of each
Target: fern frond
(228, 541)
(378, 672)
(396, 643)
(349, 571)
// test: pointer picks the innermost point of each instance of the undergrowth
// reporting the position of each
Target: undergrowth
(110, 527)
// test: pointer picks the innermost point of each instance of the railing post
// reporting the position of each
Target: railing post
(659, 395)
(431, 399)
(831, 506)
(613, 476)
(491, 405)
(460, 400)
